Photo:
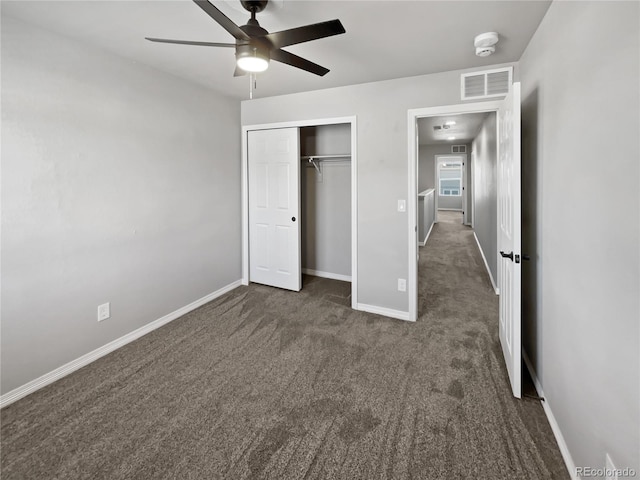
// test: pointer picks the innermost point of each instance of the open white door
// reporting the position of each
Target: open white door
(509, 226)
(274, 208)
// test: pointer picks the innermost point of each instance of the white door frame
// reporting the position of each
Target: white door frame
(412, 225)
(436, 174)
(354, 192)
(472, 167)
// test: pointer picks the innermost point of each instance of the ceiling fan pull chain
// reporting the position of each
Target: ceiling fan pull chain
(253, 84)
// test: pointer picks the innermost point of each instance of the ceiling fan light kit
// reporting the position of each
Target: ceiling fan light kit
(255, 46)
(252, 59)
(485, 43)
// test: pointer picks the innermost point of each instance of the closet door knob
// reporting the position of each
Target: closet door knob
(293, 219)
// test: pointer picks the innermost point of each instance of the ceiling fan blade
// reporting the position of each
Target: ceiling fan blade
(305, 34)
(223, 20)
(239, 72)
(187, 42)
(298, 62)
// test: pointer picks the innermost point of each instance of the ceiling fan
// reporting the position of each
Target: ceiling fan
(255, 46)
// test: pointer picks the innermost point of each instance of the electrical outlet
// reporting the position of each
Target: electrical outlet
(402, 285)
(104, 311)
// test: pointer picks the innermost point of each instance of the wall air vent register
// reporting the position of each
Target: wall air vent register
(486, 84)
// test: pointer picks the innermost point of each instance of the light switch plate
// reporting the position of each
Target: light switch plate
(402, 205)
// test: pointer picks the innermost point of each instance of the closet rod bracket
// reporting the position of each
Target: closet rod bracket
(315, 164)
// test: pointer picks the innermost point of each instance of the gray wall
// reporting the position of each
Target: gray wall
(449, 203)
(120, 184)
(326, 204)
(426, 174)
(326, 139)
(485, 190)
(381, 110)
(580, 296)
(426, 164)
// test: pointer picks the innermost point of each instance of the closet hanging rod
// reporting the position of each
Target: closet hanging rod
(325, 157)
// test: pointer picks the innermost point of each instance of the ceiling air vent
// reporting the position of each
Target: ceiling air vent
(458, 149)
(486, 84)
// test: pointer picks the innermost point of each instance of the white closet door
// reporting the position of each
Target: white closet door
(509, 219)
(274, 208)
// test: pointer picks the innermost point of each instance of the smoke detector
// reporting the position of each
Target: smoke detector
(484, 43)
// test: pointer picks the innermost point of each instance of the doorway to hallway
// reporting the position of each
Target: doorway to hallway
(508, 222)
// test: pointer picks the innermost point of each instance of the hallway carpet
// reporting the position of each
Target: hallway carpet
(265, 383)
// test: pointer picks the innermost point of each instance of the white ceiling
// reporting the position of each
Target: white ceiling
(464, 131)
(384, 39)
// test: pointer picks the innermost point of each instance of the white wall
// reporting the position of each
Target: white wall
(120, 184)
(580, 77)
(485, 187)
(382, 143)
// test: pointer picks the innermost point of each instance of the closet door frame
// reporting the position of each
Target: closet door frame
(354, 192)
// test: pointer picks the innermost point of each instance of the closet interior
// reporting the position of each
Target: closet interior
(325, 192)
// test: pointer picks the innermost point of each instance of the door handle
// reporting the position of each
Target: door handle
(507, 255)
(293, 219)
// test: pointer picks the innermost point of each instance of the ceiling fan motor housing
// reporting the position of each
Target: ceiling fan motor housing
(253, 29)
(252, 49)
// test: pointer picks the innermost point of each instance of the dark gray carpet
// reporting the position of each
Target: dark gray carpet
(263, 383)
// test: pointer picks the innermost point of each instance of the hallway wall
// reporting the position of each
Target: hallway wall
(580, 77)
(485, 188)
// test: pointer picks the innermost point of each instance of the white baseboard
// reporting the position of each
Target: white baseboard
(423, 243)
(564, 449)
(333, 276)
(60, 372)
(486, 264)
(386, 312)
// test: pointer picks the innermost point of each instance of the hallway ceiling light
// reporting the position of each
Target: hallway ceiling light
(450, 122)
(451, 138)
(485, 43)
